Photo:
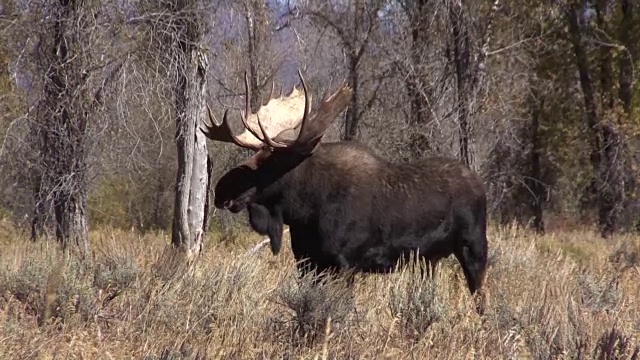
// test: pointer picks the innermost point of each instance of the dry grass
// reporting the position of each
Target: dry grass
(560, 296)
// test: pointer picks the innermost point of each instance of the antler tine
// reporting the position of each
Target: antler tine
(223, 131)
(273, 87)
(208, 130)
(267, 139)
(247, 109)
(247, 98)
(307, 105)
(237, 140)
(243, 118)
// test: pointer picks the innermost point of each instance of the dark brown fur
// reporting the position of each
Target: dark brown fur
(350, 209)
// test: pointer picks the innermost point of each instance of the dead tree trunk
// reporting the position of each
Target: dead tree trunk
(461, 59)
(256, 22)
(179, 28)
(192, 181)
(63, 130)
(625, 92)
(604, 140)
(534, 181)
(470, 69)
(354, 37)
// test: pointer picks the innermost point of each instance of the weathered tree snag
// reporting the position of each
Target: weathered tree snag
(192, 182)
(181, 33)
(256, 29)
(604, 139)
(62, 130)
(625, 92)
(461, 51)
(354, 37)
(534, 181)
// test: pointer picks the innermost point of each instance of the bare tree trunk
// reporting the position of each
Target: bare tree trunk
(256, 22)
(353, 112)
(39, 209)
(417, 12)
(352, 116)
(625, 93)
(415, 81)
(62, 133)
(184, 47)
(605, 141)
(461, 50)
(606, 76)
(354, 37)
(192, 183)
(534, 182)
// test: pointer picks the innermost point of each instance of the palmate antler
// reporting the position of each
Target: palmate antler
(282, 113)
(275, 124)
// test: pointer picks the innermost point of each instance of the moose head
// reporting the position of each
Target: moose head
(283, 133)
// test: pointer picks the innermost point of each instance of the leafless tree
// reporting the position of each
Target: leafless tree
(470, 67)
(353, 23)
(76, 71)
(605, 139)
(177, 46)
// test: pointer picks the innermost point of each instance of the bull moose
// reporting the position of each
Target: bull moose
(347, 208)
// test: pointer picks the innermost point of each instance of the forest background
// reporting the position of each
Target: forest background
(100, 104)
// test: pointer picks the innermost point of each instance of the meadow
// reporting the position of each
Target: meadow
(563, 295)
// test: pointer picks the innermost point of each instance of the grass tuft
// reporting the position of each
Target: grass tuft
(566, 295)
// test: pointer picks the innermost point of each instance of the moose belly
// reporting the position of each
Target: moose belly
(378, 249)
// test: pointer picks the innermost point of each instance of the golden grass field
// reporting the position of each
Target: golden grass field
(565, 295)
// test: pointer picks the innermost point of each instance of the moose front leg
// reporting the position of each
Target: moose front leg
(267, 222)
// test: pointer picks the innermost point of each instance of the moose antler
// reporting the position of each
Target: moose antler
(312, 130)
(224, 133)
(281, 114)
(279, 117)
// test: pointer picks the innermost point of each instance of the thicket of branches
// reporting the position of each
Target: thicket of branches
(539, 97)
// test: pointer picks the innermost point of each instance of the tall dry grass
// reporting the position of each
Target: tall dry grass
(567, 295)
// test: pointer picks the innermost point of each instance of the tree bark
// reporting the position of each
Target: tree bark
(192, 182)
(256, 22)
(604, 139)
(353, 112)
(354, 37)
(625, 92)
(63, 131)
(461, 50)
(417, 12)
(415, 81)
(606, 58)
(534, 182)
(189, 91)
